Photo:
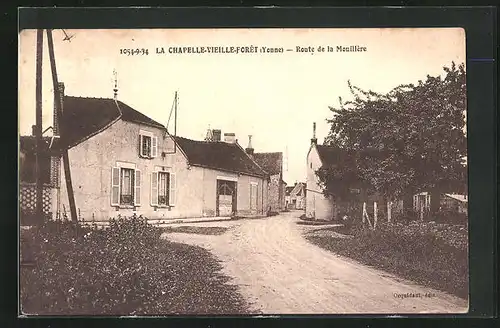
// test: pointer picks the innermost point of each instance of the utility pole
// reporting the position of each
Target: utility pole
(62, 132)
(38, 129)
(175, 115)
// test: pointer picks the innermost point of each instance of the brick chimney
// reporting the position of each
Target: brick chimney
(216, 135)
(249, 149)
(60, 99)
(230, 138)
(314, 140)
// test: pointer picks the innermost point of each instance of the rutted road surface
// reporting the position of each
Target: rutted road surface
(279, 272)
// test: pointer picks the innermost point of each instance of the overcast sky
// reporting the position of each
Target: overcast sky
(276, 97)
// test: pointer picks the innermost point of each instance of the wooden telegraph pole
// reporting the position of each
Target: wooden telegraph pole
(58, 104)
(175, 115)
(38, 128)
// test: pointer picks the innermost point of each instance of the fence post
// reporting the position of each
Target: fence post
(389, 211)
(364, 212)
(375, 216)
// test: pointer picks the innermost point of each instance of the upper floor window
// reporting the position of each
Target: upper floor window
(148, 145)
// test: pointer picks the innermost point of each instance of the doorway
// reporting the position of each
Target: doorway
(226, 198)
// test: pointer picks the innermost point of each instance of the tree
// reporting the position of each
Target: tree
(408, 140)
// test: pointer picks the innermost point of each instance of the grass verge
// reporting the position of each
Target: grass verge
(125, 269)
(434, 255)
(197, 230)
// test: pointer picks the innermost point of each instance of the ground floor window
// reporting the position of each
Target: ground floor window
(163, 187)
(125, 186)
(127, 189)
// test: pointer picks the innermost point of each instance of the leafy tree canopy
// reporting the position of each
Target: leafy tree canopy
(408, 140)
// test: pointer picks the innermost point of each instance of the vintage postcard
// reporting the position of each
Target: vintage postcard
(243, 171)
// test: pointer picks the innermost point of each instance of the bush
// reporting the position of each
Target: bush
(120, 270)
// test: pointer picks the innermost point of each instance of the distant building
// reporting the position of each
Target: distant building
(296, 196)
(318, 205)
(447, 202)
(455, 203)
(272, 163)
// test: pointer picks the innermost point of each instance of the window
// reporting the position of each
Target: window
(148, 145)
(253, 196)
(163, 189)
(125, 187)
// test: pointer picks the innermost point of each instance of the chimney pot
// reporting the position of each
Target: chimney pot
(33, 130)
(249, 150)
(314, 140)
(229, 137)
(216, 133)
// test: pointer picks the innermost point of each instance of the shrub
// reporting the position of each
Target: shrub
(120, 270)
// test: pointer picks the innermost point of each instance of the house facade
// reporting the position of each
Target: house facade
(455, 203)
(123, 162)
(319, 206)
(296, 196)
(272, 163)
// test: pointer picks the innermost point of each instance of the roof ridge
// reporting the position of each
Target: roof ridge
(250, 157)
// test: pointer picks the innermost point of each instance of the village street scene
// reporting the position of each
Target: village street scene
(156, 181)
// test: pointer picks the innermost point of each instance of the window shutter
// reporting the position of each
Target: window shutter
(115, 186)
(141, 151)
(251, 198)
(137, 193)
(154, 146)
(154, 189)
(172, 189)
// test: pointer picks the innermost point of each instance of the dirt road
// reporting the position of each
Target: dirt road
(280, 272)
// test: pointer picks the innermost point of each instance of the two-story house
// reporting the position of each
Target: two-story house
(296, 196)
(123, 162)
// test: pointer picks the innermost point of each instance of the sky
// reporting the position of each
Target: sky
(275, 97)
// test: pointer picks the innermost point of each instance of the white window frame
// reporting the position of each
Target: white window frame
(221, 177)
(167, 187)
(116, 185)
(153, 150)
(154, 188)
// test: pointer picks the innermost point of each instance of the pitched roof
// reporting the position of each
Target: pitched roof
(219, 156)
(329, 154)
(84, 117)
(272, 163)
(295, 188)
(460, 198)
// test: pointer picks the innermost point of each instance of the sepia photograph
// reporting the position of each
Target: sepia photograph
(251, 171)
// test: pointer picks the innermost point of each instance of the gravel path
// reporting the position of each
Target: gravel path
(279, 272)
